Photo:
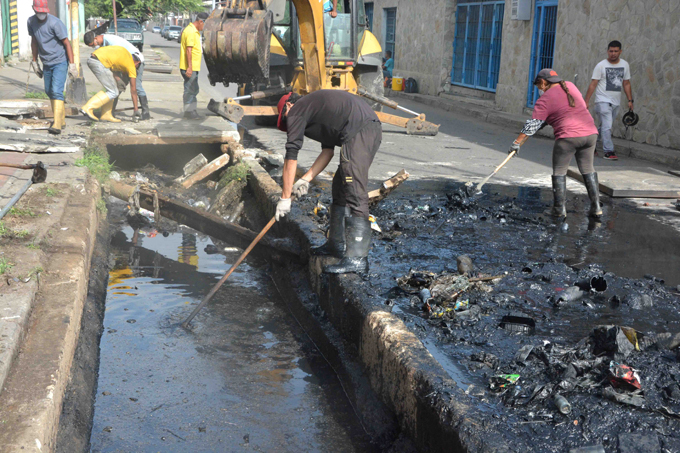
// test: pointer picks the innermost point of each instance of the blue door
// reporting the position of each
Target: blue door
(390, 30)
(477, 44)
(542, 43)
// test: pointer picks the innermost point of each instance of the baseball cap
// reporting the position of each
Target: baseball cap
(281, 123)
(41, 6)
(548, 74)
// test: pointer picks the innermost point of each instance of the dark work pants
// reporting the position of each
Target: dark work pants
(350, 184)
(581, 147)
(190, 90)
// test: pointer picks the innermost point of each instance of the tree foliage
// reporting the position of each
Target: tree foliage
(140, 9)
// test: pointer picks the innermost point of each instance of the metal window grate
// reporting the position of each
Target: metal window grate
(390, 29)
(477, 44)
(543, 44)
(368, 7)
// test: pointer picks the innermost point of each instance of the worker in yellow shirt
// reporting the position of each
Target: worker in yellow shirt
(190, 63)
(103, 63)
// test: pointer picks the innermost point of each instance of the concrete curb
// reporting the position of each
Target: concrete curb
(629, 148)
(31, 401)
(430, 408)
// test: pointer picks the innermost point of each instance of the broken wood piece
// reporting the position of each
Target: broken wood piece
(203, 221)
(388, 186)
(485, 279)
(206, 170)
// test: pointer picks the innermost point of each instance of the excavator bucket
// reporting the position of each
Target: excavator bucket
(236, 46)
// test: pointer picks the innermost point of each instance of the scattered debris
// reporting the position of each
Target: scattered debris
(33, 143)
(194, 165)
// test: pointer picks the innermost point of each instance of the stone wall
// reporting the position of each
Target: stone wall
(513, 79)
(650, 33)
(423, 40)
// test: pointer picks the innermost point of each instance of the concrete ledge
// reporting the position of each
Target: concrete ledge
(429, 406)
(664, 156)
(31, 401)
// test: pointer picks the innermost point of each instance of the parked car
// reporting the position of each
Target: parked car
(131, 30)
(164, 31)
(156, 29)
(174, 32)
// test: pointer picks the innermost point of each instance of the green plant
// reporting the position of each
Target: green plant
(33, 246)
(21, 212)
(36, 95)
(21, 234)
(101, 206)
(35, 271)
(237, 172)
(50, 192)
(5, 265)
(4, 231)
(96, 160)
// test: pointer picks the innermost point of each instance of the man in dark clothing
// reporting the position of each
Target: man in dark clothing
(334, 118)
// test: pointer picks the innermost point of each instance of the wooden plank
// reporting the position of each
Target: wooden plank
(207, 170)
(388, 186)
(202, 221)
(260, 110)
(622, 182)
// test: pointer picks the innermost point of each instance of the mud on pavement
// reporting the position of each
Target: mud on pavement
(554, 322)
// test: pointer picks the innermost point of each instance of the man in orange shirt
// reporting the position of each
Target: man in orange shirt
(103, 63)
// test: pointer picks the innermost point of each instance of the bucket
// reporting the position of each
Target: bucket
(397, 84)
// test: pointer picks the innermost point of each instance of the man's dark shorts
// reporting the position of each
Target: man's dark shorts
(350, 184)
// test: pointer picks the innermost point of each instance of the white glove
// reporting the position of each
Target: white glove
(282, 208)
(73, 69)
(300, 188)
(514, 147)
(36, 68)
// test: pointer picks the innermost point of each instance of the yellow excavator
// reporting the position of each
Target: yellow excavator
(270, 47)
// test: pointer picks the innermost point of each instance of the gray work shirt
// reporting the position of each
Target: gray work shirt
(113, 40)
(49, 36)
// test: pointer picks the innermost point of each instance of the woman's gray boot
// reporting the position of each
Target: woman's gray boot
(559, 187)
(358, 239)
(335, 245)
(593, 187)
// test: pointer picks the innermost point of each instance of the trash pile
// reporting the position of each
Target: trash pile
(563, 357)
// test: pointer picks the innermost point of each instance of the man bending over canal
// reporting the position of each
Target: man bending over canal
(334, 118)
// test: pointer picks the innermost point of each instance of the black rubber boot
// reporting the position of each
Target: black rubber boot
(146, 113)
(113, 110)
(335, 245)
(358, 240)
(559, 187)
(590, 180)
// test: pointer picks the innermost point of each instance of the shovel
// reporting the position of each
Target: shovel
(76, 91)
(485, 180)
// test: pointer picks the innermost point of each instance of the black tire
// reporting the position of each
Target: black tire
(371, 78)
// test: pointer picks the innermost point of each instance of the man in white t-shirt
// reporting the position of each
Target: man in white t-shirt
(113, 40)
(610, 77)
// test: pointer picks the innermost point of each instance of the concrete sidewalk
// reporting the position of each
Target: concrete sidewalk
(483, 111)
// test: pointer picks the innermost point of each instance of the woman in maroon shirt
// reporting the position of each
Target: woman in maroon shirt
(575, 135)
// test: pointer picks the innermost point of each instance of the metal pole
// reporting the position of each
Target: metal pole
(115, 18)
(15, 198)
(213, 5)
(75, 33)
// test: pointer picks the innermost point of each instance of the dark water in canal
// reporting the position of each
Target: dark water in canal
(245, 378)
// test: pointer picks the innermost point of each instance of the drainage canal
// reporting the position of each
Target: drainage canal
(245, 375)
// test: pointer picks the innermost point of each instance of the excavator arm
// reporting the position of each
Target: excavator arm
(237, 49)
